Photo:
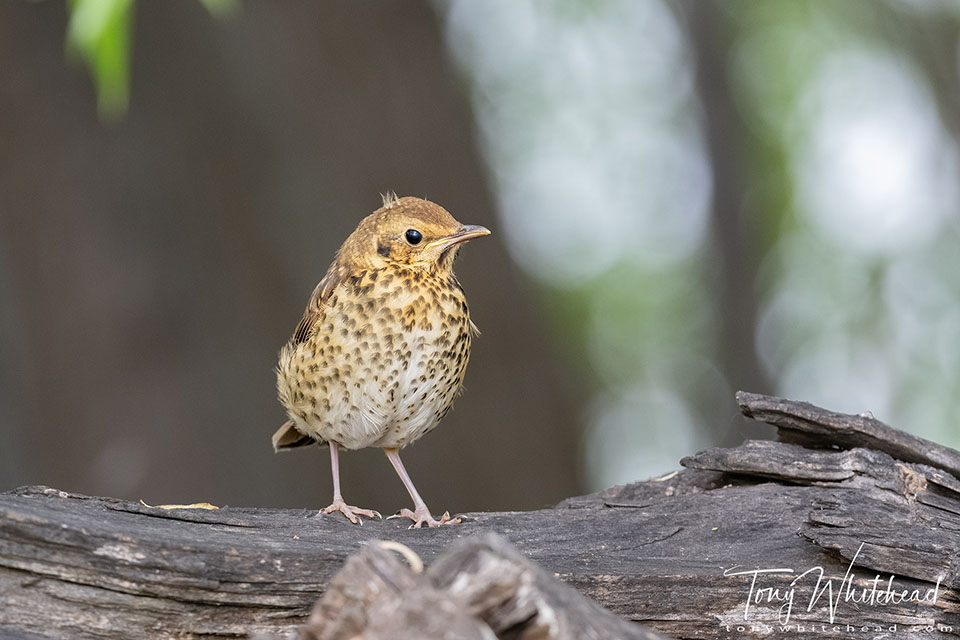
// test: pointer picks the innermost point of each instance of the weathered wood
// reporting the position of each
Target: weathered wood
(806, 424)
(871, 499)
(653, 552)
(480, 589)
(520, 600)
(376, 597)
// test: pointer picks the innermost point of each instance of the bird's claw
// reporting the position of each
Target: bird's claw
(421, 518)
(350, 511)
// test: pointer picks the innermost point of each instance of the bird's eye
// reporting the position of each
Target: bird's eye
(413, 236)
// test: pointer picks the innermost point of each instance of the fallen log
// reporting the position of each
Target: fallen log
(875, 509)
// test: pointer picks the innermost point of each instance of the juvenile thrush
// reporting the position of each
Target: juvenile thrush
(380, 353)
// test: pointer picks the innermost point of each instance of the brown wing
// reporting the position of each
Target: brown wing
(318, 298)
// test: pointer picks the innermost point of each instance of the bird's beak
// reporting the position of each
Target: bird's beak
(466, 232)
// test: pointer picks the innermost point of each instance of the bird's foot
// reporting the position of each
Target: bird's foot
(422, 517)
(350, 512)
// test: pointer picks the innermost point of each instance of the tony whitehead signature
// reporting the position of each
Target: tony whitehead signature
(875, 592)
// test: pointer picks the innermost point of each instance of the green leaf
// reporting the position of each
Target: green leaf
(221, 8)
(99, 30)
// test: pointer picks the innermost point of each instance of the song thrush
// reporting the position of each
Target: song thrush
(380, 353)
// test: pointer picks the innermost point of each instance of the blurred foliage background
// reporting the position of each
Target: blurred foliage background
(687, 198)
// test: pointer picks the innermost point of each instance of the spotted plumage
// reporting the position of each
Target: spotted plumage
(380, 353)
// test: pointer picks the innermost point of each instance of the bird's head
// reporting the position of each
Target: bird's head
(409, 232)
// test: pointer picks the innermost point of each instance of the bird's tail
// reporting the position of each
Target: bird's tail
(287, 437)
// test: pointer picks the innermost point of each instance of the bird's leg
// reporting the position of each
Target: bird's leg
(338, 503)
(420, 515)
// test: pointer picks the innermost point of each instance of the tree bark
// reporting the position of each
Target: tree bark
(480, 589)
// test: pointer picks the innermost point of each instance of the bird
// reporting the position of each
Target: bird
(380, 353)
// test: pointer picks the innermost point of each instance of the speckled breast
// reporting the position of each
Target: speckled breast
(386, 360)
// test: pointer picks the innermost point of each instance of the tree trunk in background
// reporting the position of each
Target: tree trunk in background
(152, 269)
(735, 287)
